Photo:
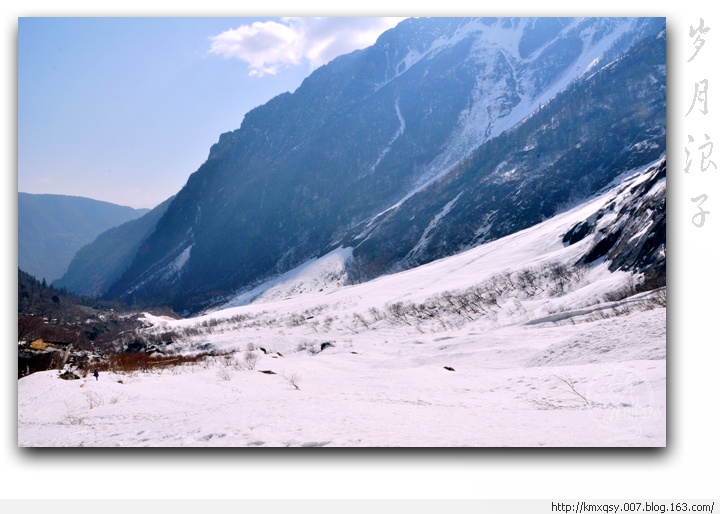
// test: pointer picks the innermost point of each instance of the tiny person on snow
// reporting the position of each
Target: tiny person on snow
(96, 374)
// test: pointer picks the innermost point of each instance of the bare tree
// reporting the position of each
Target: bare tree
(568, 381)
(251, 360)
(293, 380)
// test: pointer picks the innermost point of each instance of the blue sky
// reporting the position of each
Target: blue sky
(125, 109)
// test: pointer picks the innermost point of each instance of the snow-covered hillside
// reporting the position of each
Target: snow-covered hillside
(507, 344)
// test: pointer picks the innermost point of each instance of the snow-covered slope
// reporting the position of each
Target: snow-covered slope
(316, 275)
(507, 344)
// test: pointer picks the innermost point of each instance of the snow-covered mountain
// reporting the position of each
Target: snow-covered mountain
(445, 134)
(550, 336)
(592, 131)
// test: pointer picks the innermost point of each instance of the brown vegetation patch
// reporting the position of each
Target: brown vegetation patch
(129, 362)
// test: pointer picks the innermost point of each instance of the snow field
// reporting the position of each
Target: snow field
(507, 389)
(409, 364)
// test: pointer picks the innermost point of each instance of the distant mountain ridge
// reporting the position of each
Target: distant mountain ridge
(52, 228)
(446, 133)
(97, 265)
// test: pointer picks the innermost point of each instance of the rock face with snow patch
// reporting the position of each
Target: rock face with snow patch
(434, 114)
(630, 235)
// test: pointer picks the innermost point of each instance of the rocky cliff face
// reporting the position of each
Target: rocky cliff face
(429, 141)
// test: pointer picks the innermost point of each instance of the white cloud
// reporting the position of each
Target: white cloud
(269, 46)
